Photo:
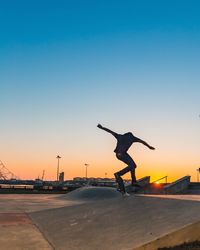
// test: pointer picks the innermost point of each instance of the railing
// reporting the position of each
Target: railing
(165, 177)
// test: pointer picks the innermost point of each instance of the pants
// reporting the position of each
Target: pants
(130, 168)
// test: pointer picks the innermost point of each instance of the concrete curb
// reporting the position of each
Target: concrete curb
(189, 233)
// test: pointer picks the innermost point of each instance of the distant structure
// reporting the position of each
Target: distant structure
(6, 174)
(43, 173)
(93, 181)
(61, 177)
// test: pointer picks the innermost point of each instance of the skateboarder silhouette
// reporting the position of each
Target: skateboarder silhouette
(124, 142)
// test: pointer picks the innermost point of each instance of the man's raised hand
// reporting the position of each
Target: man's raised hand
(99, 126)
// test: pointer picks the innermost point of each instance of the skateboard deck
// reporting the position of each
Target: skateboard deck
(130, 189)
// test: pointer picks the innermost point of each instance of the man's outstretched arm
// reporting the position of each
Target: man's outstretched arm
(107, 130)
(144, 143)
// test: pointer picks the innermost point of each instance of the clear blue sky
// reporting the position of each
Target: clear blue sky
(130, 65)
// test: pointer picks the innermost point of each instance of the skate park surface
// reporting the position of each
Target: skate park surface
(99, 218)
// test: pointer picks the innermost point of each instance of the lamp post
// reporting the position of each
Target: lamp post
(58, 157)
(198, 173)
(86, 166)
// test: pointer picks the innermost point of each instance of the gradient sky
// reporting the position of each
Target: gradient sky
(66, 66)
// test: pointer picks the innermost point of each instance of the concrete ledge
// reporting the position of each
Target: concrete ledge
(177, 186)
(186, 234)
(144, 181)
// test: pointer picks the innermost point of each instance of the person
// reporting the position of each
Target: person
(124, 142)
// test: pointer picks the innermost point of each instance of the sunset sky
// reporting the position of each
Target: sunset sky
(66, 66)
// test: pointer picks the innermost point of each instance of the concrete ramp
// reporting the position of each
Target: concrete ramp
(91, 193)
(117, 224)
(178, 186)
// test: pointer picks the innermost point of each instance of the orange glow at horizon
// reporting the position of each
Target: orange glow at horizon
(28, 162)
(33, 168)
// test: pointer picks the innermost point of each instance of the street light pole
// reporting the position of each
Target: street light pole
(58, 157)
(198, 173)
(86, 166)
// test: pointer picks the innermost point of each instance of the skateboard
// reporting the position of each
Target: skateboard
(130, 189)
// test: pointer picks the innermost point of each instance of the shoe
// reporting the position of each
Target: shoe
(116, 176)
(126, 194)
